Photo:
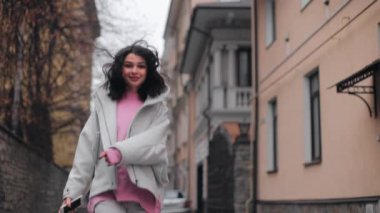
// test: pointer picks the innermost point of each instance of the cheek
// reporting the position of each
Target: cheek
(124, 71)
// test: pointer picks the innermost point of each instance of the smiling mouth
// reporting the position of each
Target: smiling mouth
(134, 78)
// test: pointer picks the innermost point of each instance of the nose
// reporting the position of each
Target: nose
(134, 69)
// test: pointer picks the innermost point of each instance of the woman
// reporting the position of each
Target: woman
(121, 154)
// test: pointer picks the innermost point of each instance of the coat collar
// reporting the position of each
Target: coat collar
(108, 108)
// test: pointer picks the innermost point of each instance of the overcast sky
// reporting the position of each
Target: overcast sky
(122, 22)
(156, 12)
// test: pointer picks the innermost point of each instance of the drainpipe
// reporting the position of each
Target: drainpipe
(205, 112)
(256, 93)
(255, 142)
(251, 202)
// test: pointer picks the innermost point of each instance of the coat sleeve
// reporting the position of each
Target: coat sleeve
(149, 146)
(82, 172)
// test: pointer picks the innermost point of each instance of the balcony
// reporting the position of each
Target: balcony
(227, 104)
(231, 99)
(239, 98)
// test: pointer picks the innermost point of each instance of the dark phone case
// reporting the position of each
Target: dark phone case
(74, 204)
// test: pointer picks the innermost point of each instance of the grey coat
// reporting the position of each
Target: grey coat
(143, 152)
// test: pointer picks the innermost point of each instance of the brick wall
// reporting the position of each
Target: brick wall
(28, 183)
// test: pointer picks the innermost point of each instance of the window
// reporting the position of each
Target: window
(272, 136)
(312, 121)
(378, 28)
(244, 76)
(270, 22)
(304, 3)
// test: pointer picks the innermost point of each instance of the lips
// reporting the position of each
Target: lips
(134, 78)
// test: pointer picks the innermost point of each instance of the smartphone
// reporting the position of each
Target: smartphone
(74, 204)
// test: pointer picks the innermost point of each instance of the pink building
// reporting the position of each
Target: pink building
(316, 113)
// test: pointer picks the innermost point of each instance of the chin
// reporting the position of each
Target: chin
(137, 86)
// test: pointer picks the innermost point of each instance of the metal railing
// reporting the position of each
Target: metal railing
(225, 98)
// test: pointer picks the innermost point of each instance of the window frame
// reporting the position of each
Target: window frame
(270, 23)
(272, 140)
(313, 142)
(238, 67)
(304, 4)
(315, 97)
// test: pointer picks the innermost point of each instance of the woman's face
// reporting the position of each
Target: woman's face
(134, 71)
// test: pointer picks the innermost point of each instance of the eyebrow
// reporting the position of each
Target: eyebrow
(130, 62)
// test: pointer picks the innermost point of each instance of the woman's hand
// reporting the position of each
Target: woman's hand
(112, 156)
(67, 202)
(105, 156)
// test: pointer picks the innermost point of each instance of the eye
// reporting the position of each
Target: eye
(128, 65)
(141, 66)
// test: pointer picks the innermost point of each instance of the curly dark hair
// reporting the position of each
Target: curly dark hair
(154, 83)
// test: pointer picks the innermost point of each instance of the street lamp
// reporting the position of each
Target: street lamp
(244, 128)
(243, 136)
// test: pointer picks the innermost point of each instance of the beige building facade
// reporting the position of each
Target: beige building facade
(318, 127)
(180, 104)
(207, 60)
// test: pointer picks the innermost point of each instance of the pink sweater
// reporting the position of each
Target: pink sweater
(127, 108)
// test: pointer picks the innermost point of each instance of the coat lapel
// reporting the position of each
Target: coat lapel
(108, 113)
(110, 118)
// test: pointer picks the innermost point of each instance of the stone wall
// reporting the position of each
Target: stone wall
(28, 182)
(366, 205)
(220, 174)
(242, 163)
(228, 173)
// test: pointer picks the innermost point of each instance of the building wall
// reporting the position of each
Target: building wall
(194, 3)
(220, 173)
(185, 102)
(359, 207)
(339, 39)
(28, 183)
(228, 170)
(182, 102)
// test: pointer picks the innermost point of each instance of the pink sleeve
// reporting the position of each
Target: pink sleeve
(114, 156)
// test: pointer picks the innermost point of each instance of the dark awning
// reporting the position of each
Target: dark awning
(349, 85)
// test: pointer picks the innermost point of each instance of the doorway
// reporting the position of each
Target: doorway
(200, 188)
